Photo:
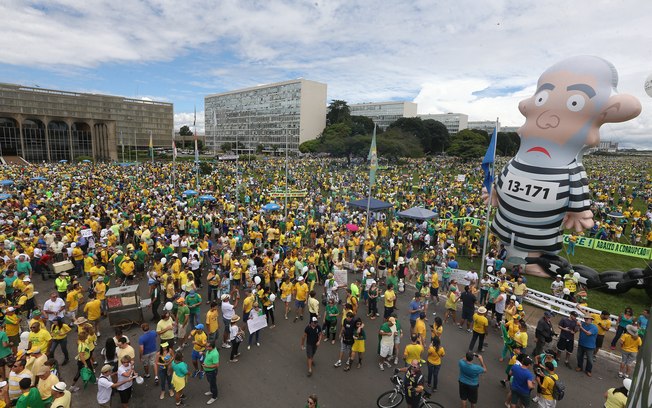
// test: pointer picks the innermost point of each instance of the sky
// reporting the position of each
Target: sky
(475, 57)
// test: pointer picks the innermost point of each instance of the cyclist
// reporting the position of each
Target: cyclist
(413, 383)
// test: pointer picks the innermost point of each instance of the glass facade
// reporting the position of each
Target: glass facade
(384, 113)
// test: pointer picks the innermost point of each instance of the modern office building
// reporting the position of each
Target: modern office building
(454, 122)
(384, 113)
(40, 124)
(272, 116)
(486, 125)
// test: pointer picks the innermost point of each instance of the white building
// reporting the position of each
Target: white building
(486, 125)
(384, 113)
(273, 115)
(454, 122)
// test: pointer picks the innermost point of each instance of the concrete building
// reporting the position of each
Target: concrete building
(384, 113)
(273, 115)
(607, 146)
(49, 125)
(486, 125)
(454, 122)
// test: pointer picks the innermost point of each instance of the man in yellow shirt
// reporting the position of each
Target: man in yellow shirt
(212, 322)
(630, 343)
(480, 324)
(199, 340)
(390, 299)
(603, 321)
(38, 337)
(420, 328)
(93, 310)
(413, 350)
(301, 295)
(72, 302)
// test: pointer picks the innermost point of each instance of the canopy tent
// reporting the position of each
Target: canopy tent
(207, 197)
(271, 207)
(6, 183)
(38, 178)
(5, 197)
(374, 204)
(417, 213)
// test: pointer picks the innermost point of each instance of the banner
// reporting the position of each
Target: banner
(340, 277)
(584, 242)
(257, 323)
(612, 247)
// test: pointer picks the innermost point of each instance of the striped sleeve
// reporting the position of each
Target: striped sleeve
(579, 197)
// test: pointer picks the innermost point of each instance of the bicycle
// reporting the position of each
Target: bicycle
(393, 398)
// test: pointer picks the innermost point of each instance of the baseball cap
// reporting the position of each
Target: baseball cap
(106, 368)
(548, 314)
(314, 319)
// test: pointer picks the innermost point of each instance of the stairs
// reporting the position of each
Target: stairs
(14, 161)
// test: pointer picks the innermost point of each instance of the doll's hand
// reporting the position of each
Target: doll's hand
(579, 221)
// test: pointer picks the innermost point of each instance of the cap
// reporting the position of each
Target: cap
(300, 278)
(392, 320)
(166, 344)
(558, 276)
(106, 368)
(627, 383)
(573, 313)
(181, 300)
(26, 279)
(60, 386)
(33, 350)
(548, 314)
(199, 327)
(314, 319)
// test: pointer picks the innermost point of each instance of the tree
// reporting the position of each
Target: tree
(185, 131)
(468, 144)
(507, 143)
(226, 146)
(310, 146)
(439, 137)
(338, 112)
(363, 125)
(259, 148)
(413, 126)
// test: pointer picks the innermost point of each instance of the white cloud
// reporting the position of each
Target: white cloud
(188, 119)
(436, 53)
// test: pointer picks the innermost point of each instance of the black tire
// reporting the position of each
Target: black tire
(638, 275)
(389, 399)
(588, 276)
(430, 404)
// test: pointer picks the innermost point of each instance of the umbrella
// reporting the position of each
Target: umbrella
(38, 178)
(189, 192)
(417, 213)
(352, 227)
(4, 197)
(63, 161)
(616, 214)
(6, 183)
(207, 197)
(86, 161)
(271, 207)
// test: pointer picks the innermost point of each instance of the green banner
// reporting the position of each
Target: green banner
(584, 242)
(612, 247)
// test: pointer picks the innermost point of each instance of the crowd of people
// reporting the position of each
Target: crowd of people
(122, 225)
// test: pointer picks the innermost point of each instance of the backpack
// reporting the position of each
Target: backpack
(558, 389)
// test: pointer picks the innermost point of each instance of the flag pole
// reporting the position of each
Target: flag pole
(174, 161)
(196, 154)
(135, 146)
(485, 242)
(151, 146)
(373, 158)
(122, 144)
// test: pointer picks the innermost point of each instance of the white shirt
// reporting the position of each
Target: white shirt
(175, 240)
(121, 370)
(54, 309)
(471, 276)
(227, 310)
(104, 389)
(233, 331)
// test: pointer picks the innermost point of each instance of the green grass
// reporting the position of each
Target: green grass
(637, 299)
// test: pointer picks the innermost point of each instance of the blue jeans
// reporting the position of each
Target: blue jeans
(194, 319)
(211, 377)
(64, 348)
(164, 377)
(585, 352)
(433, 373)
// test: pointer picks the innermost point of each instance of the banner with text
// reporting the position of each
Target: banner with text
(612, 247)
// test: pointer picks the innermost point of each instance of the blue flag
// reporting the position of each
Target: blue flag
(488, 161)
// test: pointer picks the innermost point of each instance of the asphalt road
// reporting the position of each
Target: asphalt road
(274, 374)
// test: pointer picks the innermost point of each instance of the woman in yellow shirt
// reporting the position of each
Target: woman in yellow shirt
(59, 332)
(435, 354)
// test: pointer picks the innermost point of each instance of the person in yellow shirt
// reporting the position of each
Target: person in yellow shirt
(521, 337)
(12, 328)
(127, 267)
(212, 322)
(480, 325)
(93, 310)
(546, 384)
(99, 287)
(72, 301)
(301, 295)
(630, 343)
(390, 300)
(38, 337)
(59, 332)
(286, 294)
(199, 341)
(413, 350)
(248, 304)
(435, 353)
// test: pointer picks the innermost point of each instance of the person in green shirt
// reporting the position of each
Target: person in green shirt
(30, 398)
(330, 320)
(183, 313)
(211, 364)
(193, 301)
(5, 347)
